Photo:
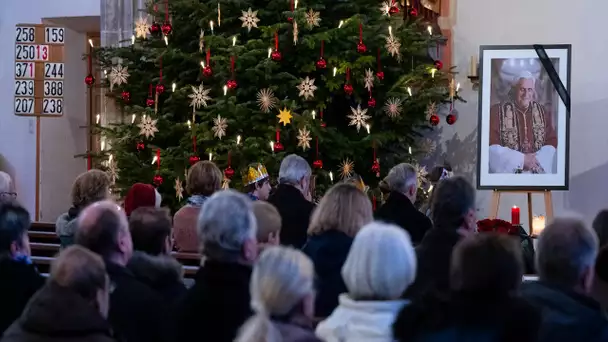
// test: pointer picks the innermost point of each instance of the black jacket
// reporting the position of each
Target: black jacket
(295, 213)
(137, 312)
(217, 305)
(58, 314)
(434, 255)
(328, 252)
(18, 283)
(472, 317)
(399, 210)
(567, 316)
(160, 272)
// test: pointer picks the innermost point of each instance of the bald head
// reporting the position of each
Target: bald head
(103, 228)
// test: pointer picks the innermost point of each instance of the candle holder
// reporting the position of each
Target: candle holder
(474, 81)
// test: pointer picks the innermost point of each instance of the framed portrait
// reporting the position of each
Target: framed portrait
(523, 126)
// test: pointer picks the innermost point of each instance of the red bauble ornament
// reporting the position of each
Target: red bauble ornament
(323, 124)
(414, 12)
(166, 28)
(149, 102)
(229, 172)
(376, 168)
(321, 63)
(193, 160)
(380, 75)
(438, 64)
(126, 96)
(361, 48)
(207, 71)
(450, 119)
(89, 80)
(393, 10)
(290, 19)
(155, 28)
(140, 146)
(276, 56)
(348, 89)
(371, 102)
(231, 84)
(278, 147)
(317, 164)
(434, 120)
(160, 88)
(157, 180)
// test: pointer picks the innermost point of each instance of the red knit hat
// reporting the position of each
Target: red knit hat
(140, 195)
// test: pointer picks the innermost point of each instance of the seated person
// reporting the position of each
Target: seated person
(257, 182)
(269, 224)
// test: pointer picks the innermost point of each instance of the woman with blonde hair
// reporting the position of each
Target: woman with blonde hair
(282, 295)
(337, 219)
(380, 266)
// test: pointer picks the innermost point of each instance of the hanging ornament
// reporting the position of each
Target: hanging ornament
(249, 19)
(278, 147)
(229, 171)
(379, 73)
(368, 80)
(179, 189)
(321, 63)
(347, 167)
(307, 88)
(285, 116)
(160, 88)
(318, 163)
(431, 110)
(118, 75)
(291, 8)
(393, 46)
(193, 160)
(348, 88)
(372, 101)
(413, 12)
(295, 32)
(358, 117)
(266, 100)
(312, 18)
(376, 162)
(201, 41)
(392, 108)
(126, 96)
(394, 9)
(141, 27)
(304, 138)
(147, 126)
(158, 179)
(155, 29)
(140, 146)
(361, 48)
(385, 7)
(231, 84)
(166, 28)
(90, 80)
(434, 120)
(199, 96)
(219, 127)
(450, 119)
(276, 54)
(323, 124)
(438, 64)
(149, 102)
(207, 71)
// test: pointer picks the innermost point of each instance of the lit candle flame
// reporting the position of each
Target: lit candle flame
(225, 90)
(331, 176)
(154, 160)
(433, 71)
(314, 114)
(143, 116)
(132, 39)
(173, 86)
(269, 52)
(203, 64)
(409, 91)
(166, 41)
(97, 118)
(103, 144)
(272, 146)
(458, 87)
(219, 16)
(234, 41)
(295, 4)
(430, 29)
(133, 117)
(409, 149)
(110, 158)
(430, 188)
(211, 26)
(91, 42)
(341, 23)
(189, 124)
(368, 128)
(390, 31)
(238, 139)
(335, 71)
(210, 155)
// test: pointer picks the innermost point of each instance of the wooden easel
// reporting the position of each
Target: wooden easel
(548, 203)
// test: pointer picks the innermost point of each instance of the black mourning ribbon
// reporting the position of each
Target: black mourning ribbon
(553, 76)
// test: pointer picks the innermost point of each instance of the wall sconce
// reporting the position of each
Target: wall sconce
(474, 72)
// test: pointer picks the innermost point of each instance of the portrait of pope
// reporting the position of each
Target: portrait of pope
(523, 137)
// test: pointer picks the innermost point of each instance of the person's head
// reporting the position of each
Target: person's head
(566, 253)
(281, 286)
(204, 178)
(83, 272)
(524, 89)
(7, 188)
(103, 228)
(600, 225)
(268, 221)
(453, 205)
(151, 230)
(141, 195)
(600, 279)
(295, 171)
(227, 228)
(381, 263)
(90, 187)
(14, 224)
(257, 181)
(403, 179)
(487, 264)
(344, 208)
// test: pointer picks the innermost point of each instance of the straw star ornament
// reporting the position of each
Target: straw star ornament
(118, 75)
(249, 19)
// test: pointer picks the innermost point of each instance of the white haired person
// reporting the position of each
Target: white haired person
(7, 188)
(380, 266)
(219, 302)
(282, 294)
(399, 209)
(292, 199)
(523, 138)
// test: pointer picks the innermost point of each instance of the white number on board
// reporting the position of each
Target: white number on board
(24, 105)
(52, 106)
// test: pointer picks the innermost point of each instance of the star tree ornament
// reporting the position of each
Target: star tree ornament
(392, 108)
(312, 18)
(199, 96)
(369, 79)
(142, 27)
(307, 88)
(393, 45)
(118, 75)
(347, 167)
(285, 116)
(385, 8)
(179, 189)
(249, 19)
(358, 117)
(219, 127)
(304, 138)
(147, 126)
(267, 100)
(421, 174)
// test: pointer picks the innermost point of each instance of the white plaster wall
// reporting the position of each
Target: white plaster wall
(60, 137)
(513, 22)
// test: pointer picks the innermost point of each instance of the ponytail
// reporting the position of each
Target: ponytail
(259, 328)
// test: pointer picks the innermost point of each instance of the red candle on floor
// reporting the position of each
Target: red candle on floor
(515, 215)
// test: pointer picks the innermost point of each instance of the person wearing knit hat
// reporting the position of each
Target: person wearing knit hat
(141, 195)
(257, 182)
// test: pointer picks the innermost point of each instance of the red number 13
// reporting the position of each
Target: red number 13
(44, 52)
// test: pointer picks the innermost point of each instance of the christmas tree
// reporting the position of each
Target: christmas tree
(348, 85)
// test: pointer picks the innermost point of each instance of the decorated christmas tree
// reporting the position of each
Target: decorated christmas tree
(348, 85)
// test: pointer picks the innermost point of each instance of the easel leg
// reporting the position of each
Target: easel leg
(549, 205)
(495, 204)
(530, 214)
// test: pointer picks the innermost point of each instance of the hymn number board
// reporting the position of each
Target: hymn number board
(39, 70)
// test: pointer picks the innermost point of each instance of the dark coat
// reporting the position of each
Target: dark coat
(160, 272)
(58, 314)
(295, 213)
(295, 333)
(328, 252)
(217, 305)
(567, 316)
(137, 312)
(399, 210)
(434, 255)
(18, 283)
(468, 318)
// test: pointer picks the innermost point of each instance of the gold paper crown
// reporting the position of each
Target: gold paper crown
(255, 173)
